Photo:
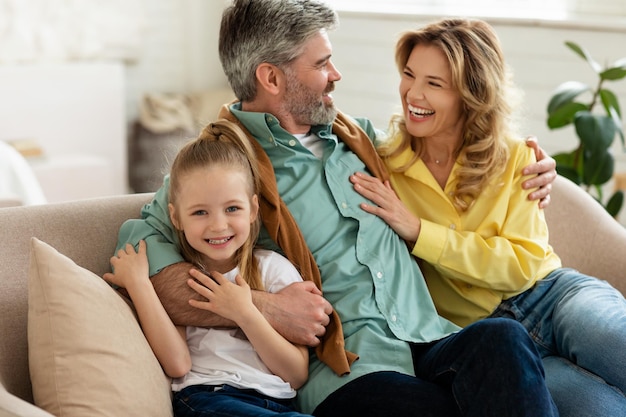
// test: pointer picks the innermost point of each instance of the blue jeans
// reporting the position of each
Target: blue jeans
(227, 401)
(579, 326)
(490, 368)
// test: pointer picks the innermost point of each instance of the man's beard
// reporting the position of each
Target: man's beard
(305, 106)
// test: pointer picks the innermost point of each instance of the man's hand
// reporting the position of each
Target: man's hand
(298, 312)
(545, 168)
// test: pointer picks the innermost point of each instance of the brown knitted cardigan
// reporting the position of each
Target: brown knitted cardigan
(283, 229)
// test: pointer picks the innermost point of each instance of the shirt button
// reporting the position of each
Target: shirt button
(344, 205)
(453, 226)
(379, 275)
(292, 142)
(394, 318)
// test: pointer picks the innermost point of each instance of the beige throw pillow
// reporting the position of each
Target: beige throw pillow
(87, 353)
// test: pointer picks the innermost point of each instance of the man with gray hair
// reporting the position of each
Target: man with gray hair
(381, 347)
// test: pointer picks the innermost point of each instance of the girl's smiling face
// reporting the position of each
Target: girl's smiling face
(215, 210)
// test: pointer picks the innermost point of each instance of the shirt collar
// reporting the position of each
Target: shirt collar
(266, 125)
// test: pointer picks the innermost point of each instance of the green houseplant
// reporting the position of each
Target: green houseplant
(596, 122)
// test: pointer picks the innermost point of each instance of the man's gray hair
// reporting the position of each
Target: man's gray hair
(274, 31)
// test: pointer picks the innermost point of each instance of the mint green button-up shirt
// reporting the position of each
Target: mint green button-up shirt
(367, 272)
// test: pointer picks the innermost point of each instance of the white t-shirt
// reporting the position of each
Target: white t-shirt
(225, 356)
(312, 142)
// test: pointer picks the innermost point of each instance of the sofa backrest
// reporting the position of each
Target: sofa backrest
(85, 231)
(585, 236)
(582, 233)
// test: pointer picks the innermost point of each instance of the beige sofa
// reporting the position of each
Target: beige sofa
(86, 231)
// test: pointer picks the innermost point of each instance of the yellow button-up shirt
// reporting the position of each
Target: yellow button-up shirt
(496, 249)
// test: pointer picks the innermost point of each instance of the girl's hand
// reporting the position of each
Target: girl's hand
(387, 205)
(230, 300)
(129, 267)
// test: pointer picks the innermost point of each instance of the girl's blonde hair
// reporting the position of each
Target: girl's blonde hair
(483, 80)
(220, 143)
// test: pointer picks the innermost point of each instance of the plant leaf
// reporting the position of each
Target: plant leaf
(569, 173)
(565, 114)
(615, 72)
(582, 52)
(615, 203)
(566, 93)
(566, 166)
(598, 167)
(596, 132)
(599, 193)
(620, 132)
(565, 158)
(611, 105)
(609, 100)
(612, 74)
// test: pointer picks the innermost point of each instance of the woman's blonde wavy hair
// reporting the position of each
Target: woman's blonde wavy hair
(220, 143)
(481, 77)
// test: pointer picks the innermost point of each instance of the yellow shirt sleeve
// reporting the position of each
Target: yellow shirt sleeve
(496, 249)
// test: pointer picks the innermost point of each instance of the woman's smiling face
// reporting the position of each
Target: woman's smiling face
(432, 106)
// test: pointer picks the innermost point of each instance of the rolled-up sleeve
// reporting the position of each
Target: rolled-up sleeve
(156, 229)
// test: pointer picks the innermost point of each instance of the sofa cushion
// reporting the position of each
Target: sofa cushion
(87, 353)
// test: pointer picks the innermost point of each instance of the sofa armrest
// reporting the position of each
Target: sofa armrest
(12, 406)
(584, 235)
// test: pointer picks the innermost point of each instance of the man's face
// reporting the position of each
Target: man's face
(310, 79)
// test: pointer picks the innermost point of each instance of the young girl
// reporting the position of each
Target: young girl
(247, 370)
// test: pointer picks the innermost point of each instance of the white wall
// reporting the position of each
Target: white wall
(179, 51)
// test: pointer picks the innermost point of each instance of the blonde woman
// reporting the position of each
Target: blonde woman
(455, 162)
